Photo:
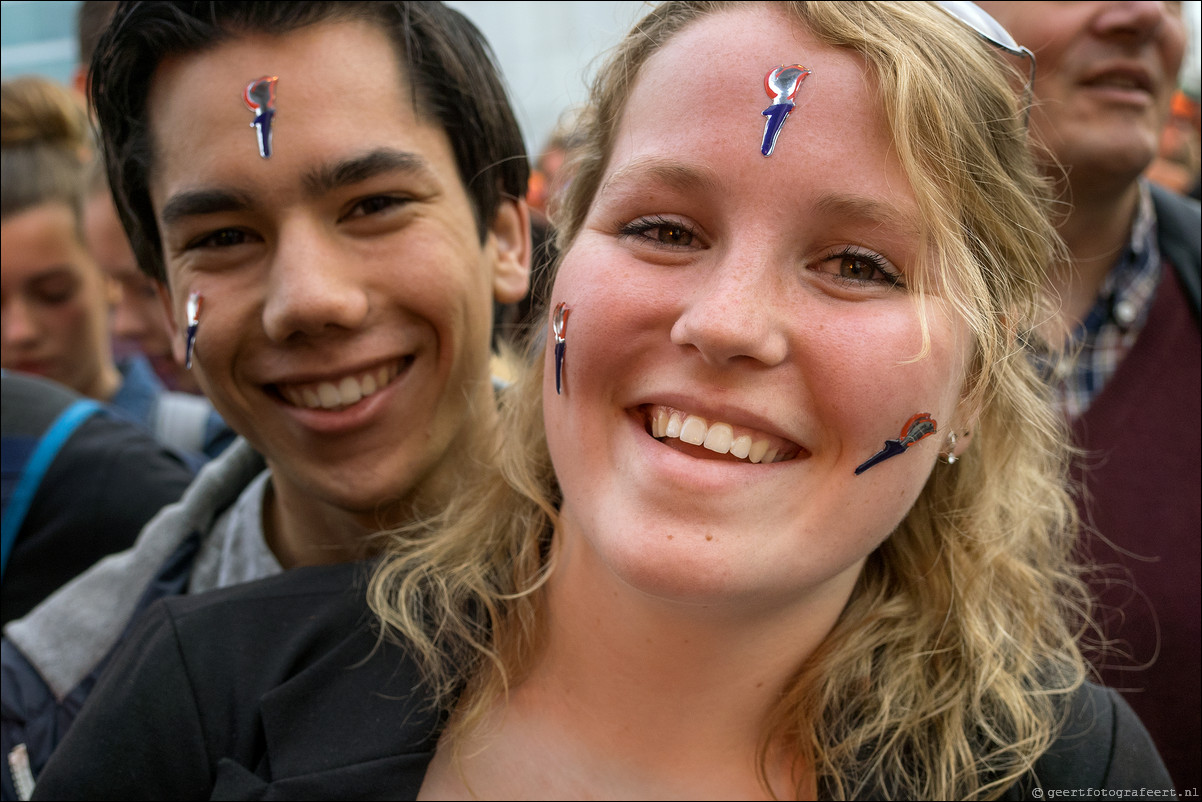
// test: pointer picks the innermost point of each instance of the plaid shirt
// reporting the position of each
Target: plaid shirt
(1109, 330)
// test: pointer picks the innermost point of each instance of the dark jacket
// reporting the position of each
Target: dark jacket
(280, 689)
(51, 658)
(79, 483)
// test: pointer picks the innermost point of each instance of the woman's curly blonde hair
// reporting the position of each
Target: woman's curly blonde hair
(946, 673)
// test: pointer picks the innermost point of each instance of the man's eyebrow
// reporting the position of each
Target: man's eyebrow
(192, 203)
(360, 168)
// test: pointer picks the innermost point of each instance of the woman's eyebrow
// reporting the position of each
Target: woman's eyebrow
(662, 171)
(899, 220)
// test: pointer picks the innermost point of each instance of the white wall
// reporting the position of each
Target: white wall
(546, 51)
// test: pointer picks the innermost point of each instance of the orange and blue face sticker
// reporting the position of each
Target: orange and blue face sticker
(917, 427)
(259, 97)
(781, 84)
(195, 300)
(559, 327)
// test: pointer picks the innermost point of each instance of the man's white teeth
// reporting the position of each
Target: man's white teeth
(717, 437)
(694, 430)
(349, 390)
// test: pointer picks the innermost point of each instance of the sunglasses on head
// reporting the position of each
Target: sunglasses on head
(992, 32)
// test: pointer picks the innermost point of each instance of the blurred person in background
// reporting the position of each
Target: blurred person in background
(57, 303)
(139, 326)
(1106, 76)
(1176, 167)
(139, 322)
(79, 482)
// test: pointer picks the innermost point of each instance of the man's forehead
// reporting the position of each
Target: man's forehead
(342, 103)
(287, 76)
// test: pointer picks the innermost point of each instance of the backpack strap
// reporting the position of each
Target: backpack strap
(35, 469)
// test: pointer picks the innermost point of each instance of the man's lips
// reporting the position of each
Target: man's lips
(1125, 77)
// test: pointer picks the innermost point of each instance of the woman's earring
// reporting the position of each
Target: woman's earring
(559, 324)
(195, 299)
(948, 455)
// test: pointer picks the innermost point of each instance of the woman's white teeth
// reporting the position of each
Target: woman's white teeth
(717, 437)
(349, 390)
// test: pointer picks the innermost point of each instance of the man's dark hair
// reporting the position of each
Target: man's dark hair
(448, 64)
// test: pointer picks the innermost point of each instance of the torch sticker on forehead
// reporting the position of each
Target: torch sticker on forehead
(781, 84)
(259, 97)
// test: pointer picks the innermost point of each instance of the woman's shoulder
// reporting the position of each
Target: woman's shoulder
(1102, 746)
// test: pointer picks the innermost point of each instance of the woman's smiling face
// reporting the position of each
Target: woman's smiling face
(760, 305)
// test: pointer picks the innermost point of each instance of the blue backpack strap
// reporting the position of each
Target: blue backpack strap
(35, 469)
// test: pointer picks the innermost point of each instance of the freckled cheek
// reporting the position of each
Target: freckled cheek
(611, 318)
(870, 389)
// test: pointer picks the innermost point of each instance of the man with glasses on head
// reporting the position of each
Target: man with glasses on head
(1130, 302)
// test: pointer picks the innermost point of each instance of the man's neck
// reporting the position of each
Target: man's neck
(307, 533)
(1096, 229)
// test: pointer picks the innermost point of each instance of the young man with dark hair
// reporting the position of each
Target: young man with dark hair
(329, 195)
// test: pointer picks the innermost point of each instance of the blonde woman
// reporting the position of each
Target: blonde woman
(722, 556)
(728, 588)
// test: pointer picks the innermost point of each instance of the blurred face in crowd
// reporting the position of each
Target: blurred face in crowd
(55, 302)
(1105, 78)
(138, 322)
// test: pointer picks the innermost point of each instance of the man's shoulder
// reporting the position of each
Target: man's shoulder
(300, 608)
(1179, 234)
(307, 589)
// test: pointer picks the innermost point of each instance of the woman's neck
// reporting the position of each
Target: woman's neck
(640, 697)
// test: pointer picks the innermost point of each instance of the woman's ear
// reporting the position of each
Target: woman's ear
(510, 236)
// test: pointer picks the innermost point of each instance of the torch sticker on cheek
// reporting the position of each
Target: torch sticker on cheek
(195, 300)
(917, 427)
(559, 327)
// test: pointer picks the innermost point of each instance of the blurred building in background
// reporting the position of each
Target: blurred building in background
(546, 50)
